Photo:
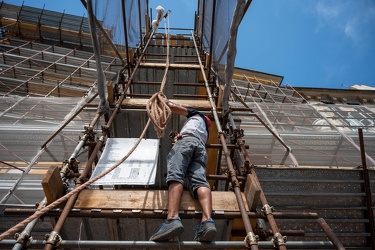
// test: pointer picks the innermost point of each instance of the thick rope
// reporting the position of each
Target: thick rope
(157, 108)
(159, 114)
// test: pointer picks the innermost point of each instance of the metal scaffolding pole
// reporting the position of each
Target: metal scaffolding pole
(270, 128)
(102, 90)
(367, 187)
(251, 239)
(83, 244)
(323, 224)
(267, 210)
(24, 238)
(19, 63)
(54, 237)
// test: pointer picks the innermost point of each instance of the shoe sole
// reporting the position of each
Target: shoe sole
(168, 234)
(208, 235)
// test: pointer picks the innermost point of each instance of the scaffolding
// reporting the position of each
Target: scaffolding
(311, 161)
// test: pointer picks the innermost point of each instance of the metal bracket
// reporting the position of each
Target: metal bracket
(240, 142)
(73, 165)
(105, 129)
(251, 239)
(278, 240)
(23, 238)
(53, 238)
(89, 131)
(246, 168)
(267, 209)
(222, 133)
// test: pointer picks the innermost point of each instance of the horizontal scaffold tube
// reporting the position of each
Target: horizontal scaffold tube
(181, 245)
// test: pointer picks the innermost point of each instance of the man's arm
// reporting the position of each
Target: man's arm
(177, 109)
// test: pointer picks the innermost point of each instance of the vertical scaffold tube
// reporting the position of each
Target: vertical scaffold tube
(236, 186)
(278, 238)
(102, 90)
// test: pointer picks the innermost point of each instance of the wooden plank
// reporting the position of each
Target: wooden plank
(52, 184)
(171, 66)
(150, 200)
(212, 153)
(141, 103)
(202, 89)
(220, 99)
(252, 192)
(111, 95)
(159, 39)
(173, 40)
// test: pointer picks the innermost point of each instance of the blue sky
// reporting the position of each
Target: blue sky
(312, 43)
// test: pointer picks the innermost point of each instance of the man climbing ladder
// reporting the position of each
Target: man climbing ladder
(188, 158)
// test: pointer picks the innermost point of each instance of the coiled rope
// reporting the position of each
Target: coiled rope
(159, 113)
(157, 108)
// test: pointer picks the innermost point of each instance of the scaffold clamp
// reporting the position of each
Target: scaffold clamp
(279, 240)
(53, 238)
(251, 239)
(267, 209)
(23, 238)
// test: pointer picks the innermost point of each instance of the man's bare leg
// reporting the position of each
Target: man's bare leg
(205, 199)
(174, 199)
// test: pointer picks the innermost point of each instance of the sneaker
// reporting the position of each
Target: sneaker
(169, 229)
(205, 231)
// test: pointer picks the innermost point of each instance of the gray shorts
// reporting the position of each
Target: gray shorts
(188, 159)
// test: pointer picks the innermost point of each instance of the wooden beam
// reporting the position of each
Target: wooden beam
(171, 66)
(141, 103)
(212, 153)
(252, 192)
(52, 184)
(150, 200)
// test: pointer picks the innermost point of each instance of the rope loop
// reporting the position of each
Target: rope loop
(159, 112)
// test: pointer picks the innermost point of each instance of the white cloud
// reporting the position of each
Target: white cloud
(351, 18)
(326, 11)
(351, 30)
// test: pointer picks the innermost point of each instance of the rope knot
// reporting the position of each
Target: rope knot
(159, 112)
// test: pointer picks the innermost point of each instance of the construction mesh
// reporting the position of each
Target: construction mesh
(110, 14)
(214, 31)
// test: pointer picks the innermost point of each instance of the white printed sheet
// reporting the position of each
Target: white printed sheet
(138, 169)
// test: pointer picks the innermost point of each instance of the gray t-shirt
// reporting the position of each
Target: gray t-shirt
(195, 126)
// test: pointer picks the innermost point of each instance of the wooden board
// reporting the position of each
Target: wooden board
(252, 192)
(171, 65)
(52, 184)
(141, 103)
(212, 153)
(150, 200)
